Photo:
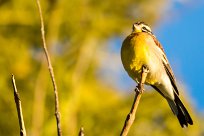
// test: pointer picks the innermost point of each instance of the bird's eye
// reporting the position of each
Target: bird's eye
(144, 29)
(147, 30)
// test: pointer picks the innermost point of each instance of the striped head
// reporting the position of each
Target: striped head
(141, 27)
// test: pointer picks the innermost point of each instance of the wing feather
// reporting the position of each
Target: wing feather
(167, 66)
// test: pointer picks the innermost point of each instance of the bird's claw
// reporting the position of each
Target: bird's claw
(139, 89)
(145, 69)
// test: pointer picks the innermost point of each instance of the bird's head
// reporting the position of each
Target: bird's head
(141, 27)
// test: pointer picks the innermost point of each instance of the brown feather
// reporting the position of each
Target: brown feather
(157, 42)
(167, 66)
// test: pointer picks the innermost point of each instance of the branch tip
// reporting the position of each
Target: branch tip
(19, 108)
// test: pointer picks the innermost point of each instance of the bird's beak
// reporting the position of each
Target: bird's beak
(136, 28)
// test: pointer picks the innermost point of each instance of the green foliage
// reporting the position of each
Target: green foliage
(75, 31)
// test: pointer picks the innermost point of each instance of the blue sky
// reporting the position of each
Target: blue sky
(182, 37)
(181, 34)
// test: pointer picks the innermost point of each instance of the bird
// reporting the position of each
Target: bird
(141, 48)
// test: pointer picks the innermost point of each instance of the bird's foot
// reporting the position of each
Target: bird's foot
(145, 69)
(139, 88)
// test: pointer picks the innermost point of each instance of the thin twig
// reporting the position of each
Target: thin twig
(57, 113)
(81, 131)
(131, 116)
(19, 108)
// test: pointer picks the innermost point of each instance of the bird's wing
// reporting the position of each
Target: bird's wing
(157, 43)
(167, 66)
(171, 76)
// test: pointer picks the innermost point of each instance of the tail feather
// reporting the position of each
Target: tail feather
(173, 106)
(182, 118)
(183, 113)
(180, 111)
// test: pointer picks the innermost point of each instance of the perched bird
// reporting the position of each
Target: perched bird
(141, 48)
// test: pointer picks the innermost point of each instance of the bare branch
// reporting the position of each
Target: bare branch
(19, 108)
(57, 113)
(131, 116)
(81, 132)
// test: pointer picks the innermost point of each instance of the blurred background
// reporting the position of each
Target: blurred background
(84, 38)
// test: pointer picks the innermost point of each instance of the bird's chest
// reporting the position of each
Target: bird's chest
(136, 54)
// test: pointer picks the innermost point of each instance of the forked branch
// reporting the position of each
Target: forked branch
(138, 93)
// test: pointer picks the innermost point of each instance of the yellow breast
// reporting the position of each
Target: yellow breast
(135, 53)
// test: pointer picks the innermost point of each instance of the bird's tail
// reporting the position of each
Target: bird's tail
(180, 111)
